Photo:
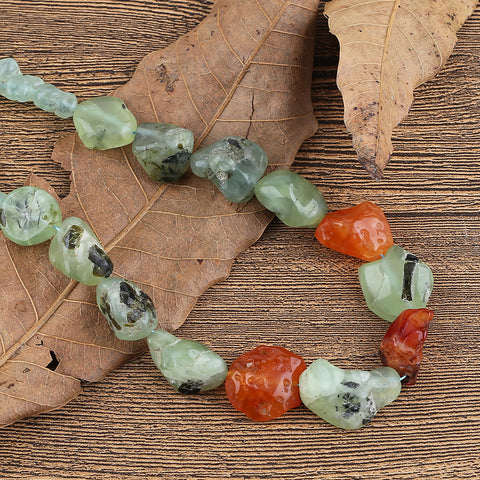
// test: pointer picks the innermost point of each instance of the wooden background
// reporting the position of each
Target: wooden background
(285, 290)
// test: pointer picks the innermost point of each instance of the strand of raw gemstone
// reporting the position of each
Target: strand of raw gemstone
(267, 381)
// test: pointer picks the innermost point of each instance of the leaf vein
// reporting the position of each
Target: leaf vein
(20, 278)
(189, 93)
(69, 340)
(426, 30)
(176, 259)
(135, 176)
(227, 43)
(241, 75)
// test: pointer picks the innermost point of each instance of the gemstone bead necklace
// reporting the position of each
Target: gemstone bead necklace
(269, 380)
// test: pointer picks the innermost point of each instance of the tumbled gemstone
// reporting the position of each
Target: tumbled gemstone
(8, 68)
(77, 253)
(263, 383)
(402, 346)
(22, 88)
(397, 282)
(104, 122)
(130, 311)
(163, 150)
(29, 215)
(361, 231)
(293, 199)
(190, 367)
(233, 164)
(347, 398)
(51, 99)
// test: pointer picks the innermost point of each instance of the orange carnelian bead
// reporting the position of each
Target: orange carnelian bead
(361, 231)
(402, 346)
(263, 383)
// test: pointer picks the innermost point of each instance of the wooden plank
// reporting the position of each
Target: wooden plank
(285, 290)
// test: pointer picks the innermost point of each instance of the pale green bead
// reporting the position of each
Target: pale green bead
(8, 68)
(163, 150)
(22, 88)
(395, 283)
(51, 99)
(233, 164)
(347, 398)
(28, 216)
(77, 253)
(130, 311)
(104, 122)
(190, 367)
(293, 199)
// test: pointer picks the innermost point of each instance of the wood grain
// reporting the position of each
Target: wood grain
(285, 290)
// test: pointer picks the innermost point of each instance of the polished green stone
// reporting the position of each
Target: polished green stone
(293, 199)
(28, 216)
(129, 311)
(51, 99)
(233, 164)
(104, 122)
(347, 398)
(77, 253)
(22, 88)
(163, 150)
(395, 283)
(190, 367)
(8, 68)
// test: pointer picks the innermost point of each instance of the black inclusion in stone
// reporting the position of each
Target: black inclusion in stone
(128, 296)
(234, 143)
(3, 219)
(138, 302)
(102, 265)
(191, 387)
(72, 238)
(351, 405)
(408, 269)
(174, 166)
(105, 308)
(351, 384)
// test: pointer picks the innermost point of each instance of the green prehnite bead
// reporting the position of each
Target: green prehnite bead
(397, 282)
(29, 215)
(293, 199)
(3, 196)
(233, 164)
(8, 68)
(190, 367)
(104, 122)
(163, 150)
(347, 398)
(51, 99)
(77, 253)
(22, 88)
(130, 312)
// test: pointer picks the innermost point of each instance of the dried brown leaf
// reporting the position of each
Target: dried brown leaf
(388, 48)
(245, 70)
